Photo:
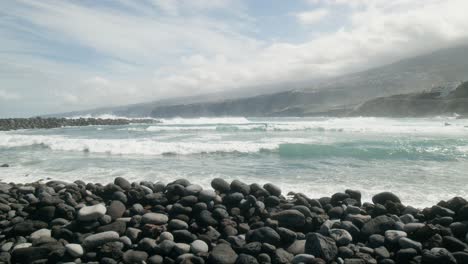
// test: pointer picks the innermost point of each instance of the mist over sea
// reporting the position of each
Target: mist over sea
(421, 160)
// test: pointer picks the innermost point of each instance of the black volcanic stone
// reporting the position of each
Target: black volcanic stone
(220, 185)
(378, 225)
(222, 254)
(272, 189)
(205, 218)
(338, 198)
(122, 183)
(273, 228)
(438, 256)
(238, 186)
(461, 256)
(246, 259)
(264, 235)
(46, 213)
(383, 197)
(30, 254)
(290, 218)
(183, 236)
(233, 199)
(281, 256)
(116, 209)
(321, 246)
(354, 194)
(336, 212)
(252, 248)
(453, 244)
(134, 256)
(117, 226)
(287, 236)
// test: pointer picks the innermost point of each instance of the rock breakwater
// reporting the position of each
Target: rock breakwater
(38, 122)
(180, 222)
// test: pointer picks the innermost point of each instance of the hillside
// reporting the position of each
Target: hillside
(431, 103)
(328, 97)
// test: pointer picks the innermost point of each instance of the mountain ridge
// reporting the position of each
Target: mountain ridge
(334, 96)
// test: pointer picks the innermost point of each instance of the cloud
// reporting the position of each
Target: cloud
(128, 52)
(6, 95)
(312, 17)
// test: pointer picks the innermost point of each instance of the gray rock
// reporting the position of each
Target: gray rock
(341, 236)
(91, 213)
(22, 245)
(407, 218)
(223, 254)
(165, 236)
(413, 227)
(438, 256)
(378, 225)
(290, 218)
(392, 236)
(383, 197)
(122, 183)
(116, 209)
(7, 246)
(220, 185)
(272, 189)
(41, 233)
(154, 218)
(75, 250)
(133, 233)
(181, 248)
(206, 195)
(98, 239)
(193, 189)
(166, 246)
(264, 235)
(382, 253)
(156, 259)
(405, 242)
(297, 247)
(303, 258)
(135, 257)
(246, 259)
(199, 246)
(321, 246)
(176, 224)
(281, 256)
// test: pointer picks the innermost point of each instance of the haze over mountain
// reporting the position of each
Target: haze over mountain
(328, 97)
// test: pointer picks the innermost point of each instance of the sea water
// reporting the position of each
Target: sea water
(421, 160)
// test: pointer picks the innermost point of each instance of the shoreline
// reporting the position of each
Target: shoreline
(180, 222)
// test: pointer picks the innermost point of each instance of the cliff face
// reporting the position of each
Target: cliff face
(417, 104)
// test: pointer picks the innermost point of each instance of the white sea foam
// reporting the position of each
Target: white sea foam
(108, 116)
(134, 146)
(351, 125)
(205, 120)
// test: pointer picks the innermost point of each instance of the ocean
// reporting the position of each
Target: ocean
(422, 160)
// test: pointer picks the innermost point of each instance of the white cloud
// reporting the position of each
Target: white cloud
(145, 55)
(6, 95)
(312, 17)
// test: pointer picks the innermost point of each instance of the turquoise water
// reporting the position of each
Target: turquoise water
(422, 160)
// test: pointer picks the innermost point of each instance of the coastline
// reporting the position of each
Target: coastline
(180, 222)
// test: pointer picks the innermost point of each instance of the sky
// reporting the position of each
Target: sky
(58, 56)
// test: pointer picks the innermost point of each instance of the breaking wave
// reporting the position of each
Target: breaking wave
(284, 147)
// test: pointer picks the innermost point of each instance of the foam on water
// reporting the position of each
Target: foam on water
(134, 146)
(205, 120)
(422, 160)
